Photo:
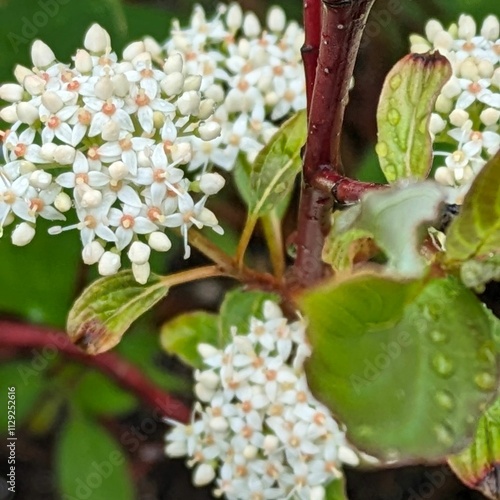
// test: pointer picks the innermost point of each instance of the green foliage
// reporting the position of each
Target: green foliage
(477, 465)
(274, 170)
(237, 309)
(106, 309)
(395, 219)
(90, 463)
(407, 100)
(407, 366)
(182, 335)
(475, 232)
(336, 490)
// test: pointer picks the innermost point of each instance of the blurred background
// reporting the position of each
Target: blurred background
(70, 416)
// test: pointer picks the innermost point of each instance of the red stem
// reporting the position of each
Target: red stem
(342, 26)
(124, 373)
(310, 49)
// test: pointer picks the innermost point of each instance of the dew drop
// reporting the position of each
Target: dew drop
(444, 434)
(442, 365)
(393, 116)
(382, 149)
(487, 355)
(485, 381)
(395, 82)
(365, 431)
(438, 336)
(280, 188)
(390, 173)
(445, 400)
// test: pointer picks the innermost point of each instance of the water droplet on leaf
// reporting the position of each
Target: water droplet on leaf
(393, 116)
(395, 82)
(381, 149)
(442, 365)
(445, 400)
(485, 381)
(444, 434)
(438, 336)
(390, 173)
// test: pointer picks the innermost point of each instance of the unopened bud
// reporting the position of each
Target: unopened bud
(92, 252)
(176, 449)
(11, 92)
(173, 83)
(207, 351)
(139, 253)
(118, 170)
(159, 241)
(22, 234)
(443, 105)
(215, 92)
(132, 50)
(21, 72)
(121, 85)
(52, 101)
(219, 424)
(41, 54)
(204, 474)
(34, 85)
(173, 64)
(436, 124)
(40, 179)
(182, 152)
(209, 130)
(192, 82)
(276, 19)
(489, 116)
(111, 131)
(9, 114)
(234, 17)
(203, 393)
(207, 107)
(466, 27)
(469, 69)
(104, 88)
(444, 176)
(47, 151)
(63, 202)
(91, 198)
(189, 103)
(83, 61)
(317, 493)
(491, 28)
(443, 40)
(141, 272)
(432, 28)
(451, 88)
(152, 46)
(97, 39)
(209, 379)
(27, 113)
(109, 264)
(347, 456)
(64, 155)
(458, 117)
(251, 25)
(211, 183)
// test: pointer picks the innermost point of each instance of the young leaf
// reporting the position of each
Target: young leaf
(276, 166)
(237, 309)
(410, 90)
(407, 366)
(90, 463)
(478, 465)
(336, 490)
(396, 219)
(182, 335)
(105, 310)
(475, 231)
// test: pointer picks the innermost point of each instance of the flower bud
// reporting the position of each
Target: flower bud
(26, 167)
(276, 19)
(63, 203)
(139, 253)
(64, 155)
(436, 124)
(47, 151)
(207, 351)
(172, 84)
(443, 105)
(40, 179)
(219, 424)
(209, 130)
(121, 85)
(9, 114)
(451, 88)
(466, 27)
(97, 39)
(91, 198)
(182, 152)
(27, 113)
(443, 41)
(209, 379)
(22, 234)
(234, 17)
(141, 272)
(111, 131)
(207, 107)
(158, 119)
(11, 92)
(118, 170)
(485, 68)
(104, 88)
(317, 493)
(270, 444)
(92, 252)
(159, 241)
(211, 183)
(152, 46)
(458, 117)
(189, 103)
(215, 92)
(173, 64)
(83, 61)
(432, 28)
(491, 28)
(52, 101)
(489, 116)
(444, 176)
(176, 449)
(203, 393)
(347, 456)
(272, 310)
(192, 82)
(250, 452)
(251, 25)
(41, 54)
(204, 474)
(109, 263)
(469, 69)
(132, 50)
(142, 58)
(34, 85)
(143, 159)
(21, 72)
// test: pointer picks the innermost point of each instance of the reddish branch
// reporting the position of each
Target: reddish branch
(17, 335)
(342, 26)
(310, 49)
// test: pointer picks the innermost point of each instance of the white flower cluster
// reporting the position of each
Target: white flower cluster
(112, 139)
(468, 109)
(258, 431)
(254, 73)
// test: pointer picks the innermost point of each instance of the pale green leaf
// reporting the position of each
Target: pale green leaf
(407, 100)
(407, 366)
(336, 490)
(273, 173)
(182, 335)
(106, 309)
(475, 231)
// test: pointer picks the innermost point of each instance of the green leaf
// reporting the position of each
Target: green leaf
(476, 274)
(478, 465)
(237, 309)
(397, 219)
(407, 100)
(475, 231)
(182, 335)
(276, 166)
(407, 366)
(97, 394)
(336, 490)
(90, 463)
(27, 377)
(105, 310)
